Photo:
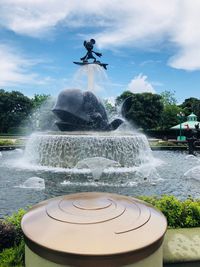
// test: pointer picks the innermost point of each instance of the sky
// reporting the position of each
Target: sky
(150, 45)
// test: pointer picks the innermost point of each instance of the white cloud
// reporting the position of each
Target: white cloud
(140, 84)
(119, 23)
(186, 36)
(15, 68)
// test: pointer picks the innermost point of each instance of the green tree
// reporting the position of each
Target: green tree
(190, 105)
(169, 116)
(42, 117)
(110, 108)
(14, 109)
(143, 109)
(168, 98)
(122, 97)
(38, 100)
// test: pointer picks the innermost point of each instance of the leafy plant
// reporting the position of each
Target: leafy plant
(6, 142)
(13, 246)
(179, 213)
(13, 257)
(15, 219)
(7, 235)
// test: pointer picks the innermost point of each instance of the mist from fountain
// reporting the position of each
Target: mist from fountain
(91, 77)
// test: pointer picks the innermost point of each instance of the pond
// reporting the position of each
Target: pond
(22, 186)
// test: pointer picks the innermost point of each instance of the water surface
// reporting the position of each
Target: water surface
(169, 167)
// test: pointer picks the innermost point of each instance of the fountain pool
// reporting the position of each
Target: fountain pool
(23, 184)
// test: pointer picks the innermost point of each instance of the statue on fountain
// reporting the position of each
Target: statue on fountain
(82, 110)
(89, 45)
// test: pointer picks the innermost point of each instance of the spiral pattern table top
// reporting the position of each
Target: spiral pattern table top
(93, 224)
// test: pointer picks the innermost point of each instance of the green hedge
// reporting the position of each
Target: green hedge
(179, 214)
(11, 142)
(6, 142)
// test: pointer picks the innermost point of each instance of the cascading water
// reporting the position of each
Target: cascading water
(67, 150)
(95, 77)
(106, 155)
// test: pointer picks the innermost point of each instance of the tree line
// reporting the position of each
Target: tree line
(16, 110)
(145, 110)
(156, 111)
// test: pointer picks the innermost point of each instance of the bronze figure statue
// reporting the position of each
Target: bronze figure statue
(89, 45)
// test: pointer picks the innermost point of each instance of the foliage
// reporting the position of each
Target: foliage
(169, 116)
(123, 96)
(143, 109)
(38, 100)
(110, 109)
(14, 109)
(14, 256)
(15, 219)
(168, 98)
(179, 213)
(6, 142)
(18, 113)
(190, 105)
(42, 117)
(7, 235)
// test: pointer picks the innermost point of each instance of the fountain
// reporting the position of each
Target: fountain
(88, 145)
(86, 159)
(33, 183)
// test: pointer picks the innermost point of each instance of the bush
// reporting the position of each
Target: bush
(13, 243)
(6, 142)
(179, 213)
(15, 219)
(13, 257)
(7, 235)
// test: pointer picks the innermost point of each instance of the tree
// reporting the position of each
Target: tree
(42, 117)
(169, 116)
(14, 109)
(122, 97)
(38, 100)
(143, 109)
(168, 98)
(190, 105)
(111, 109)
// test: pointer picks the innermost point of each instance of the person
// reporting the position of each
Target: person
(196, 126)
(89, 45)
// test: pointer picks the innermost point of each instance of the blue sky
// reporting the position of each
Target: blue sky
(150, 45)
